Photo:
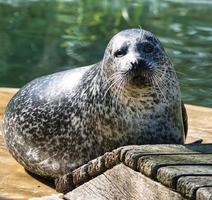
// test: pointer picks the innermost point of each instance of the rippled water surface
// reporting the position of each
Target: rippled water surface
(42, 37)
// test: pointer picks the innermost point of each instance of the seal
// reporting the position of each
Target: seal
(58, 122)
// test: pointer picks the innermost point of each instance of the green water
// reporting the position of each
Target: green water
(42, 37)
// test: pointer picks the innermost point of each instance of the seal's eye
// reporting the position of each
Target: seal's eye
(148, 48)
(120, 53)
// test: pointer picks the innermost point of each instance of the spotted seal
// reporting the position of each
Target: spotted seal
(58, 122)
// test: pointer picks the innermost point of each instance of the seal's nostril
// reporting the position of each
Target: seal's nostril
(134, 65)
(139, 64)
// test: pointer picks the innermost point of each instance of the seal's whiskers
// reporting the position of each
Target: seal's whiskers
(120, 89)
(158, 86)
(112, 81)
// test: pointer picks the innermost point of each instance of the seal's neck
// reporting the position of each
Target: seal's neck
(101, 91)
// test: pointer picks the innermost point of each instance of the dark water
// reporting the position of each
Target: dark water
(42, 37)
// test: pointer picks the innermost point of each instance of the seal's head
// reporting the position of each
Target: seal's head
(135, 57)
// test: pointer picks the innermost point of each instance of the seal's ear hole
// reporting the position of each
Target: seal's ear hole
(120, 52)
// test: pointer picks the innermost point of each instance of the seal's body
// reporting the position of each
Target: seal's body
(58, 122)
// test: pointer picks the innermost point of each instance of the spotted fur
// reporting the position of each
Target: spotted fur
(58, 122)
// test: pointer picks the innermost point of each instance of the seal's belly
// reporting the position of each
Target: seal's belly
(160, 125)
(61, 141)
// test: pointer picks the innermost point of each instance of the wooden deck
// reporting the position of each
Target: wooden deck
(152, 172)
(15, 183)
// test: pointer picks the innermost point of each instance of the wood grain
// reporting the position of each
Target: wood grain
(131, 154)
(149, 165)
(169, 175)
(122, 183)
(182, 168)
(199, 123)
(204, 193)
(188, 185)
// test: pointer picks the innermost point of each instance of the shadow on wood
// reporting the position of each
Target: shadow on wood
(41, 179)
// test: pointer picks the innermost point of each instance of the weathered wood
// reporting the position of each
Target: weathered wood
(130, 155)
(188, 186)
(123, 183)
(149, 165)
(204, 193)
(88, 171)
(199, 121)
(51, 197)
(169, 175)
(168, 164)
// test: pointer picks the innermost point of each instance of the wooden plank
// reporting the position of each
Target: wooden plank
(130, 155)
(51, 197)
(149, 165)
(199, 123)
(204, 193)
(123, 183)
(169, 175)
(100, 187)
(188, 186)
(6, 94)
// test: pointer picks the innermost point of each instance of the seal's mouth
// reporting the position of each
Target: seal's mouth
(140, 73)
(141, 76)
(140, 79)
